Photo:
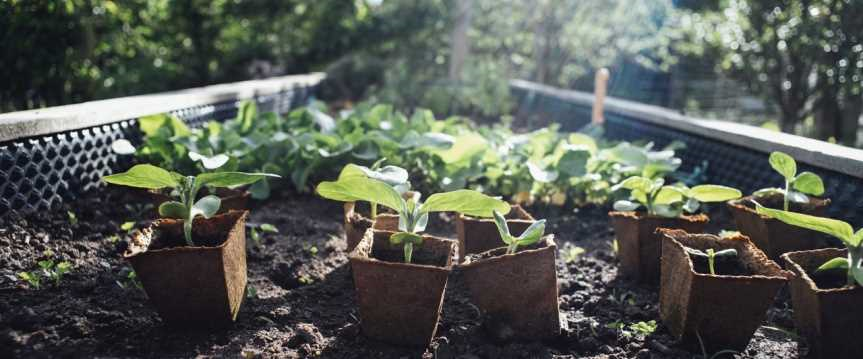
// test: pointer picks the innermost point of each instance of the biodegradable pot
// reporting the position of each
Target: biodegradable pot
(639, 246)
(773, 236)
(356, 224)
(201, 286)
(826, 317)
(400, 303)
(526, 311)
(724, 309)
(477, 235)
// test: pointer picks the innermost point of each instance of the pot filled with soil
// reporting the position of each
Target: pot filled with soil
(201, 285)
(526, 311)
(718, 289)
(400, 303)
(477, 235)
(773, 236)
(639, 244)
(826, 306)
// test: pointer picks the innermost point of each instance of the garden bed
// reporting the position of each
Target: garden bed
(303, 302)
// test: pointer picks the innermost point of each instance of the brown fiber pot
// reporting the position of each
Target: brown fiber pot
(356, 224)
(516, 293)
(773, 236)
(201, 286)
(399, 302)
(725, 310)
(639, 247)
(477, 235)
(828, 318)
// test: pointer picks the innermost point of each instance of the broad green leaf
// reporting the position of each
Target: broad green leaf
(714, 193)
(836, 228)
(230, 179)
(809, 183)
(858, 237)
(362, 189)
(541, 175)
(664, 210)
(767, 192)
(260, 189)
(583, 140)
(207, 206)
(635, 183)
(532, 234)
(209, 163)
(127, 226)
(626, 206)
(835, 263)
(464, 148)
(573, 163)
(465, 201)
(266, 227)
(123, 147)
(691, 205)
(668, 195)
(502, 227)
(783, 164)
(246, 116)
(143, 176)
(173, 209)
(391, 175)
(405, 237)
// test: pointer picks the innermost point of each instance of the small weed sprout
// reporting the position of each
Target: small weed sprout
(853, 241)
(48, 269)
(571, 253)
(186, 188)
(796, 186)
(643, 328)
(530, 236)
(73, 218)
(710, 254)
(670, 201)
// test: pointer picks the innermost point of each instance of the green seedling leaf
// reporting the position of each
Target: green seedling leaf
(626, 206)
(391, 175)
(502, 227)
(573, 163)
(797, 197)
(668, 195)
(209, 163)
(231, 179)
(767, 192)
(207, 206)
(123, 147)
(541, 175)
(784, 164)
(714, 193)
(636, 183)
(173, 209)
(836, 228)
(406, 237)
(73, 218)
(532, 234)
(809, 183)
(127, 226)
(835, 263)
(355, 188)
(143, 176)
(464, 201)
(269, 228)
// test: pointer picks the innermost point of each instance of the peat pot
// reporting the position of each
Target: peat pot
(639, 246)
(773, 236)
(477, 235)
(516, 293)
(827, 312)
(200, 286)
(400, 303)
(724, 309)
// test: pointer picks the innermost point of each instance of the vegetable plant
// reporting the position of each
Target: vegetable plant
(530, 236)
(853, 264)
(413, 215)
(670, 200)
(185, 188)
(711, 256)
(48, 269)
(797, 186)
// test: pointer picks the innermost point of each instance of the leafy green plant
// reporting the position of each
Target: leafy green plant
(393, 176)
(413, 215)
(186, 189)
(530, 236)
(48, 269)
(32, 278)
(710, 254)
(670, 201)
(644, 328)
(797, 186)
(852, 264)
(571, 253)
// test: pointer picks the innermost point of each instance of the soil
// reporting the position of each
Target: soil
(832, 279)
(301, 299)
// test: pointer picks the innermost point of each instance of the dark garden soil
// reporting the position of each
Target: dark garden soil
(302, 303)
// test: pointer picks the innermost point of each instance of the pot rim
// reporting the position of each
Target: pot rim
(524, 216)
(670, 234)
(800, 272)
(547, 239)
(241, 216)
(355, 255)
(640, 215)
(737, 204)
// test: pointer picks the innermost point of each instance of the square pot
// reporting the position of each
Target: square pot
(198, 286)
(773, 236)
(639, 246)
(527, 311)
(725, 310)
(400, 303)
(827, 318)
(356, 224)
(477, 235)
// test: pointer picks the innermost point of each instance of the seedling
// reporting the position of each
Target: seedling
(796, 186)
(643, 328)
(394, 176)
(73, 218)
(530, 236)
(31, 278)
(413, 215)
(572, 253)
(711, 256)
(186, 189)
(670, 201)
(853, 264)
(49, 269)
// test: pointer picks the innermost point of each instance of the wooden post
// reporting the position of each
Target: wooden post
(600, 88)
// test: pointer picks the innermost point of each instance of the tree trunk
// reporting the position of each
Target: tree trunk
(827, 114)
(460, 44)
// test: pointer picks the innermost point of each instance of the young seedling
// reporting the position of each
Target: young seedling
(413, 215)
(853, 264)
(711, 256)
(73, 218)
(530, 236)
(186, 189)
(394, 176)
(797, 186)
(49, 269)
(670, 201)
